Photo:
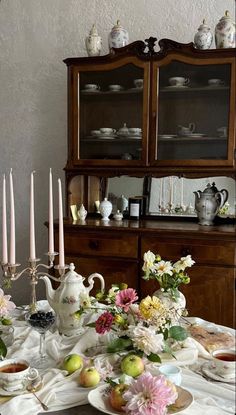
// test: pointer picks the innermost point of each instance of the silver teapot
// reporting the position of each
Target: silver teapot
(209, 202)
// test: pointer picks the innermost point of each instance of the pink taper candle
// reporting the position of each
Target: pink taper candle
(50, 216)
(12, 258)
(61, 227)
(32, 224)
(4, 223)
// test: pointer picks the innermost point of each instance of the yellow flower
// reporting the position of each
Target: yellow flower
(149, 306)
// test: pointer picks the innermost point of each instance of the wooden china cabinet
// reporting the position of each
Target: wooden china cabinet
(156, 147)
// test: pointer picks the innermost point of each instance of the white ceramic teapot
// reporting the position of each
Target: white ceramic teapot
(68, 299)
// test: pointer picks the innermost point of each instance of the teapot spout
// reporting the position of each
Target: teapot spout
(50, 292)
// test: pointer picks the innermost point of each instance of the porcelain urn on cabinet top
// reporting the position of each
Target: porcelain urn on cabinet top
(118, 37)
(225, 32)
(203, 38)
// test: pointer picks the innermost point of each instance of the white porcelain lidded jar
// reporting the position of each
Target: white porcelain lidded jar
(225, 32)
(118, 37)
(93, 42)
(105, 209)
(203, 38)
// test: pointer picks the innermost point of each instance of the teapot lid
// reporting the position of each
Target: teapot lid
(211, 189)
(71, 276)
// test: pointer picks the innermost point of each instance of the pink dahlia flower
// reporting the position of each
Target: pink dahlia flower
(125, 298)
(149, 395)
(5, 304)
(104, 323)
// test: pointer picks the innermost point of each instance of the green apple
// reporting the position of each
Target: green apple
(132, 365)
(72, 362)
(116, 397)
(89, 377)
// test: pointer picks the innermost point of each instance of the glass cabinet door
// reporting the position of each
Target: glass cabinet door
(112, 103)
(193, 106)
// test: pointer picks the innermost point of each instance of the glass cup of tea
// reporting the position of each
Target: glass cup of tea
(224, 361)
(15, 374)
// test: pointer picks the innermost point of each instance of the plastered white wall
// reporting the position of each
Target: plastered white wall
(35, 36)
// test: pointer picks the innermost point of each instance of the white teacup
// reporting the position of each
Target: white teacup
(135, 131)
(138, 83)
(172, 373)
(215, 82)
(15, 374)
(107, 131)
(115, 87)
(178, 81)
(95, 132)
(224, 360)
(91, 87)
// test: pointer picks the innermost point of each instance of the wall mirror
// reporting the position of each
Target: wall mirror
(170, 191)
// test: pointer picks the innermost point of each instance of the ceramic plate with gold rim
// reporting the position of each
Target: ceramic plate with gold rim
(99, 399)
(4, 392)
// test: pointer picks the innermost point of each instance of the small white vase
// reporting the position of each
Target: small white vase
(82, 212)
(105, 209)
(225, 32)
(118, 37)
(203, 38)
(93, 43)
(177, 306)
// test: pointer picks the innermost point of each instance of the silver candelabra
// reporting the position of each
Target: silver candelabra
(10, 273)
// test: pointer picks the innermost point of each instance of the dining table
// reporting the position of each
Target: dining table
(64, 396)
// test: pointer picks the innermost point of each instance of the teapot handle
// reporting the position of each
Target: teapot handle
(220, 197)
(91, 281)
(225, 194)
(192, 127)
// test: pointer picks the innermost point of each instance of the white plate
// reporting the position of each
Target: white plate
(105, 137)
(196, 135)
(167, 135)
(209, 370)
(98, 398)
(90, 90)
(176, 86)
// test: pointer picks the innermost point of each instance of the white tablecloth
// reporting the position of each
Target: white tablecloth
(61, 391)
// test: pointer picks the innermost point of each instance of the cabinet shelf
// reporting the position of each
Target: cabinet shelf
(131, 91)
(205, 89)
(115, 140)
(191, 139)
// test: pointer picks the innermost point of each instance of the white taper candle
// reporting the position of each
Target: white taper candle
(61, 227)
(12, 258)
(50, 216)
(32, 223)
(4, 223)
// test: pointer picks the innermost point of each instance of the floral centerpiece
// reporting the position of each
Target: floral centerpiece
(143, 327)
(169, 276)
(5, 306)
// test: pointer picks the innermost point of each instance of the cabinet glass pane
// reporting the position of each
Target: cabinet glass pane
(110, 109)
(193, 111)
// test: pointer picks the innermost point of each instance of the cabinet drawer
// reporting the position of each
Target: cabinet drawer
(102, 244)
(202, 251)
(113, 271)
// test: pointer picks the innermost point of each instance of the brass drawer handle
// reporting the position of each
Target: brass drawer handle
(185, 251)
(93, 244)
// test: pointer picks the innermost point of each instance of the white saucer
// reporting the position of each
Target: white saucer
(209, 370)
(90, 90)
(167, 135)
(4, 392)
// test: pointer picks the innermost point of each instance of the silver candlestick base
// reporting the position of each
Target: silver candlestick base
(10, 273)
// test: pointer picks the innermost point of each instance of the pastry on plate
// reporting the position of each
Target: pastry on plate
(211, 340)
